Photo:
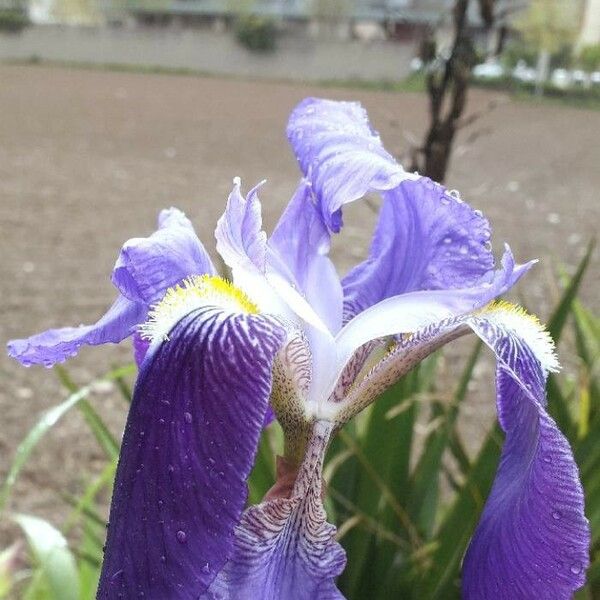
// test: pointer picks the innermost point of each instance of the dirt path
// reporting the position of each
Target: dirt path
(88, 158)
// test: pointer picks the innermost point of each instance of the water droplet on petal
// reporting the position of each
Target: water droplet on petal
(447, 240)
(478, 213)
(206, 568)
(464, 249)
(181, 536)
(576, 568)
(556, 515)
(547, 458)
(456, 195)
(188, 417)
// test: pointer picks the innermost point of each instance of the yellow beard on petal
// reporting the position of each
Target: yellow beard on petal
(192, 293)
(526, 326)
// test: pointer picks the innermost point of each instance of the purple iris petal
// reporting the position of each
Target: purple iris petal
(415, 310)
(533, 538)
(299, 248)
(284, 548)
(56, 345)
(188, 448)
(140, 348)
(340, 154)
(240, 239)
(425, 239)
(146, 267)
(243, 245)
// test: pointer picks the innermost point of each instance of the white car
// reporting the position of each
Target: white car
(561, 78)
(489, 70)
(416, 64)
(524, 73)
(580, 77)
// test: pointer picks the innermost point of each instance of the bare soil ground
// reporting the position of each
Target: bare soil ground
(88, 158)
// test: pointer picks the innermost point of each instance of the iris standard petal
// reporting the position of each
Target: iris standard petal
(243, 245)
(299, 248)
(147, 267)
(284, 548)
(56, 345)
(188, 448)
(425, 239)
(241, 240)
(340, 154)
(533, 538)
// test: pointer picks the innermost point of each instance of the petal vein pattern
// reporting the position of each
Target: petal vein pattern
(243, 245)
(533, 538)
(340, 154)
(284, 548)
(188, 448)
(145, 269)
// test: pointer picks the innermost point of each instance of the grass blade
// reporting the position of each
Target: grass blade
(53, 556)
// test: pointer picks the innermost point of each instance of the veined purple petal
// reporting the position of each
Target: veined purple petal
(147, 267)
(533, 538)
(284, 548)
(56, 345)
(243, 245)
(188, 448)
(340, 154)
(241, 240)
(299, 248)
(426, 239)
(140, 348)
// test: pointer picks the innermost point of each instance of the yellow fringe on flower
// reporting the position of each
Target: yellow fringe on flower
(192, 293)
(526, 326)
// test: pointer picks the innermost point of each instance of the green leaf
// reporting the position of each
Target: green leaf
(101, 432)
(459, 523)
(262, 477)
(46, 422)
(561, 312)
(423, 502)
(383, 453)
(53, 557)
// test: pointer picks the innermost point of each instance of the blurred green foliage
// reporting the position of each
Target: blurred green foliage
(405, 508)
(13, 20)
(589, 57)
(258, 34)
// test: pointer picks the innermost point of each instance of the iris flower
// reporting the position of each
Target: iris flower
(288, 335)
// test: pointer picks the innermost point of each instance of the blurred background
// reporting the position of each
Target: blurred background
(112, 110)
